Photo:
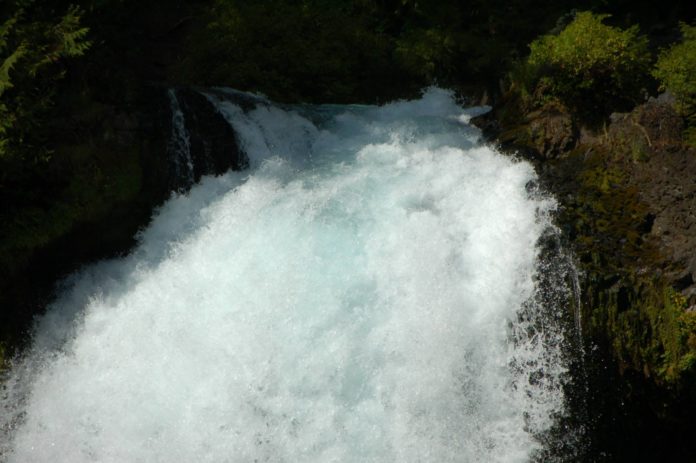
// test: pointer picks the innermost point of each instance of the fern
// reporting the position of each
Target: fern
(73, 36)
(30, 52)
(5, 30)
(7, 65)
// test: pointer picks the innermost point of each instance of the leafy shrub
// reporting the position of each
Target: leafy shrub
(591, 67)
(676, 71)
(356, 50)
(30, 52)
(33, 45)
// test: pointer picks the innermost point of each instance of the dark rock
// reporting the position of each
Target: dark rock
(684, 281)
(665, 98)
(627, 194)
(661, 122)
(214, 147)
(551, 131)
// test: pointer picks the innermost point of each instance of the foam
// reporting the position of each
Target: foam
(349, 299)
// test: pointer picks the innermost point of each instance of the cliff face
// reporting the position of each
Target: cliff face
(627, 194)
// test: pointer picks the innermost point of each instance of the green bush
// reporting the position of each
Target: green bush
(676, 71)
(356, 50)
(591, 67)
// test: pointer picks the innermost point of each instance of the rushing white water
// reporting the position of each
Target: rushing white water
(354, 297)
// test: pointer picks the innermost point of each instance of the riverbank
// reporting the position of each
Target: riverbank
(627, 196)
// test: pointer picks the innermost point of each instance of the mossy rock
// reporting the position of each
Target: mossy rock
(649, 330)
(630, 305)
(551, 130)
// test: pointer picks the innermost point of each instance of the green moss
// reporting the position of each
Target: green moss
(629, 141)
(606, 216)
(628, 308)
(649, 329)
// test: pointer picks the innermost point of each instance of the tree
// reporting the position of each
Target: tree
(31, 52)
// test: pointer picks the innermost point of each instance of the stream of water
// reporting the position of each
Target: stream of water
(354, 296)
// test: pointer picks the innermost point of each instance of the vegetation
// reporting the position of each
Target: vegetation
(70, 74)
(31, 53)
(676, 71)
(321, 50)
(355, 50)
(589, 66)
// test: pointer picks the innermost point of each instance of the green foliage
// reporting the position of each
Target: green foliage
(636, 314)
(357, 50)
(318, 50)
(475, 41)
(31, 52)
(649, 329)
(676, 71)
(591, 67)
(428, 52)
(96, 184)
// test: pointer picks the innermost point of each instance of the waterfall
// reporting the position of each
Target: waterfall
(179, 146)
(368, 291)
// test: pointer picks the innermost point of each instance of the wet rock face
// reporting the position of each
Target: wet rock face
(627, 194)
(651, 128)
(667, 185)
(661, 170)
(213, 142)
(543, 134)
(662, 124)
(551, 131)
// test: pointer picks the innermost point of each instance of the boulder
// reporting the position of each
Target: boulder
(552, 130)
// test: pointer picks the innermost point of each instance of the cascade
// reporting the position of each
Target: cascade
(179, 147)
(369, 290)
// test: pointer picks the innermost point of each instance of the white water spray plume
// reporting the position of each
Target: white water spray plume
(353, 297)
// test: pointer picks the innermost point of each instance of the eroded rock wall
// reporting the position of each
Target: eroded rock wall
(627, 194)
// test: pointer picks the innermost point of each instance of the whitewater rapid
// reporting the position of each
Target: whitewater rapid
(353, 297)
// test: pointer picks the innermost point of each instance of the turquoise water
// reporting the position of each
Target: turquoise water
(353, 297)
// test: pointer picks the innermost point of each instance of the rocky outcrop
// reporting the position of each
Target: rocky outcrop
(213, 142)
(552, 131)
(627, 197)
